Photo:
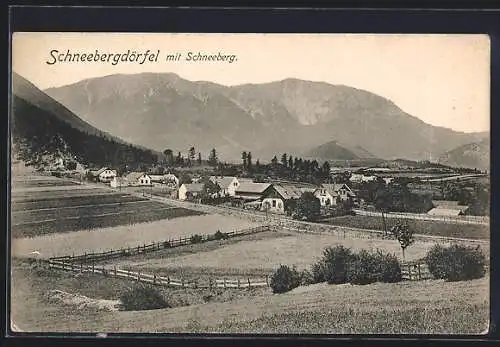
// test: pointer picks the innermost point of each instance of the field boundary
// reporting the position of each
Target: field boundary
(479, 220)
(226, 283)
(155, 246)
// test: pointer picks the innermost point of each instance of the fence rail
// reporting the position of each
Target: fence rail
(155, 246)
(155, 279)
(483, 220)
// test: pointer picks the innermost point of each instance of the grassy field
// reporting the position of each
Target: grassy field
(263, 256)
(429, 307)
(102, 239)
(471, 231)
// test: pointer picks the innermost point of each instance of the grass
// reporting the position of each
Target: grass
(264, 256)
(103, 239)
(42, 183)
(470, 231)
(73, 201)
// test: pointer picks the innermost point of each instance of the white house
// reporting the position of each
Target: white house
(327, 197)
(171, 180)
(341, 190)
(190, 190)
(138, 179)
(227, 184)
(104, 174)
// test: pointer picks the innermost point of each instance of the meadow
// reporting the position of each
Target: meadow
(265, 255)
(425, 307)
(122, 236)
(436, 228)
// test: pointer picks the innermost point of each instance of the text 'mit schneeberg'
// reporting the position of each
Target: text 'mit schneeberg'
(138, 57)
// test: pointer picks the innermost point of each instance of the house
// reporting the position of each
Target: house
(279, 198)
(118, 182)
(171, 180)
(227, 184)
(326, 196)
(250, 191)
(138, 179)
(360, 178)
(103, 174)
(188, 191)
(342, 191)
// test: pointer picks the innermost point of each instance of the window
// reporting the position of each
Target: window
(279, 204)
(274, 203)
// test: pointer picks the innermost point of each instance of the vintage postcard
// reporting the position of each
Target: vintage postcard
(250, 183)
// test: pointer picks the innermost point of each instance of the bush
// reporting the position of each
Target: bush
(335, 264)
(369, 267)
(306, 278)
(456, 263)
(285, 279)
(220, 236)
(318, 272)
(143, 297)
(196, 239)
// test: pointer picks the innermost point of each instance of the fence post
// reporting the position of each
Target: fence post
(138, 276)
(182, 282)
(93, 266)
(210, 283)
(224, 283)
(419, 272)
(267, 280)
(138, 249)
(238, 283)
(154, 278)
(409, 271)
(114, 268)
(81, 267)
(168, 280)
(249, 284)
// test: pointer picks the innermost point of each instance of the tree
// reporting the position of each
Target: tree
(179, 160)
(308, 206)
(244, 158)
(199, 158)
(290, 163)
(284, 160)
(249, 160)
(383, 202)
(326, 169)
(257, 165)
(403, 234)
(274, 161)
(192, 154)
(169, 156)
(212, 158)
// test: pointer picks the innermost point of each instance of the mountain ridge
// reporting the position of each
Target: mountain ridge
(163, 110)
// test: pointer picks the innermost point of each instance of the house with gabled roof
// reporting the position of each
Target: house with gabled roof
(250, 191)
(227, 184)
(138, 179)
(104, 174)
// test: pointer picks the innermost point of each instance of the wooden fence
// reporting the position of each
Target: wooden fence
(415, 271)
(155, 246)
(154, 279)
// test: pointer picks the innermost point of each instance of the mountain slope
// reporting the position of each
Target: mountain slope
(42, 128)
(335, 151)
(165, 111)
(472, 155)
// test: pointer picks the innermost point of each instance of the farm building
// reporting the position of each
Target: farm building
(227, 184)
(118, 182)
(169, 180)
(138, 179)
(188, 191)
(360, 178)
(250, 191)
(446, 208)
(278, 198)
(103, 174)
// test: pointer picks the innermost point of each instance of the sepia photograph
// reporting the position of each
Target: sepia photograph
(250, 183)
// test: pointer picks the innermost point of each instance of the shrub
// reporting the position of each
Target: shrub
(306, 278)
(166, 244)
(220, 236)
(369, 267)
(143, 297)
(335, 264)
(456, 262)
(284, 279)
(196, 239)
(318, 272)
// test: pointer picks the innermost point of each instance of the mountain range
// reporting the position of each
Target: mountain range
(471, 155)
(43, 130)
(163, 110)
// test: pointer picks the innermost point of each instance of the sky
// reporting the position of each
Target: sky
(442, 79)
